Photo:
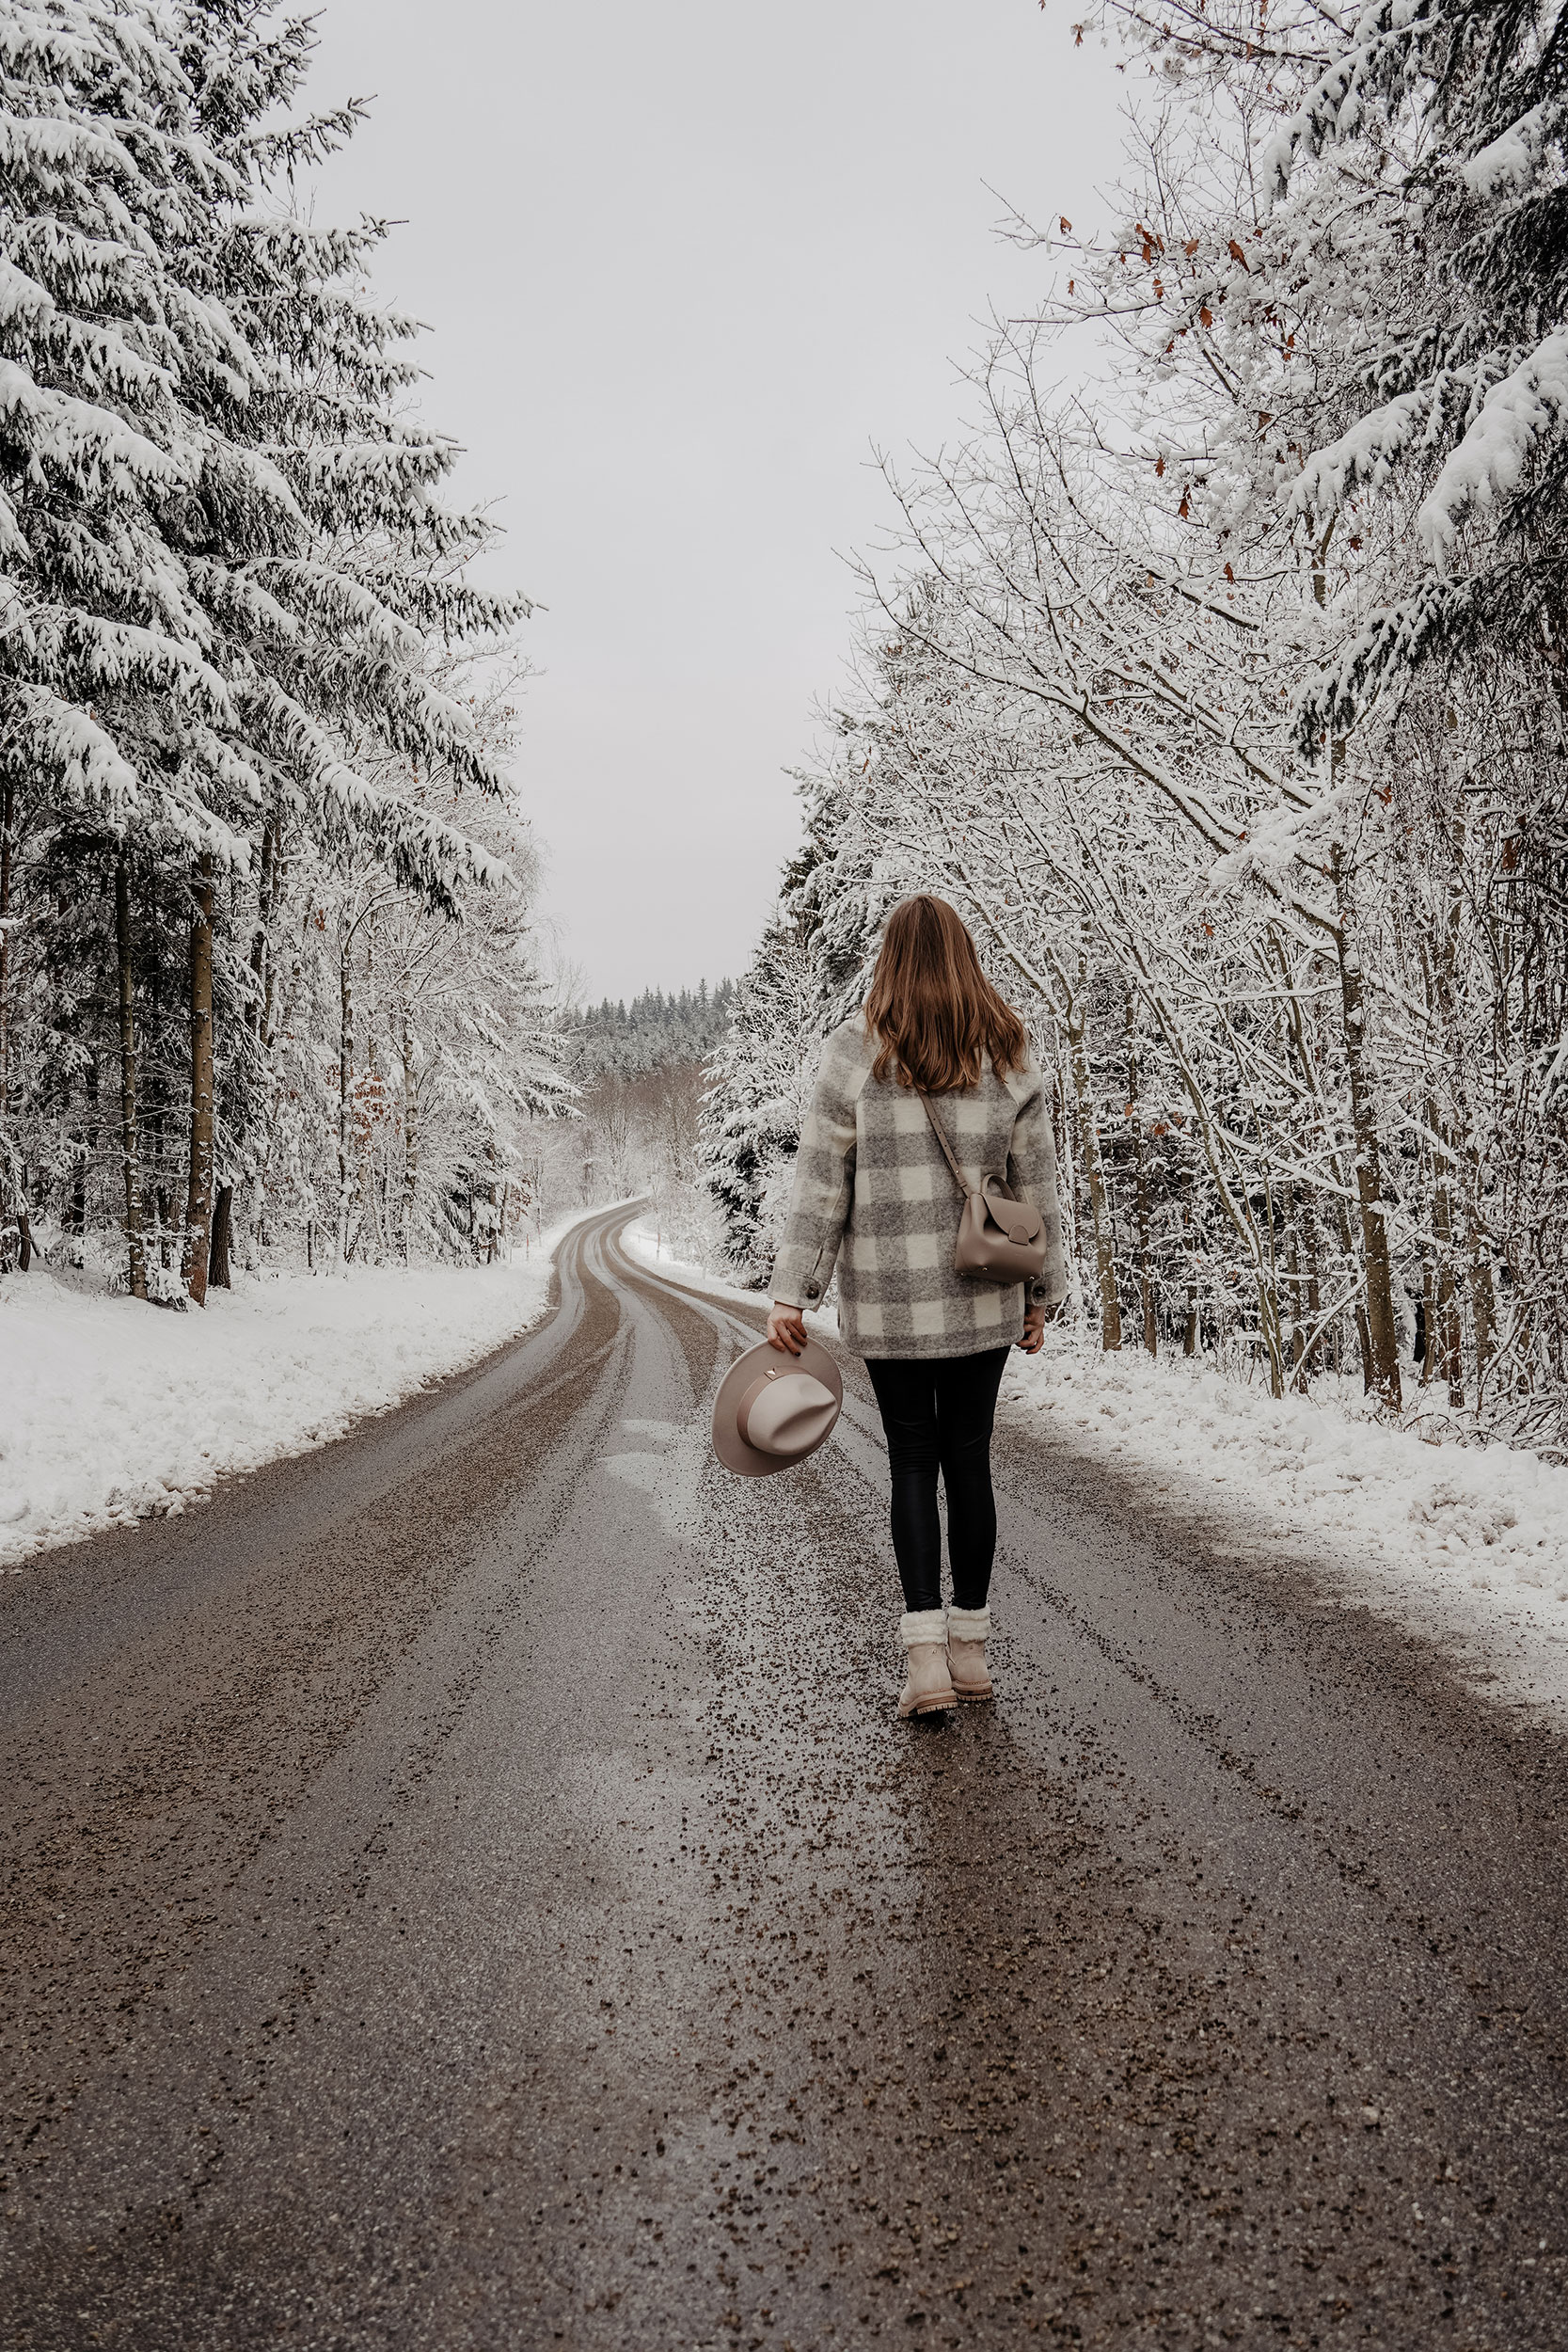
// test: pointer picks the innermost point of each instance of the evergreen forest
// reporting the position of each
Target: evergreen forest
(267, 976)
(1214, 671)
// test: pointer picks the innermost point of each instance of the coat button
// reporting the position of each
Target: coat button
(812, 1289)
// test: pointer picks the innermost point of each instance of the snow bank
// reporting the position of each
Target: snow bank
(110, 1411)
(1468, 1543)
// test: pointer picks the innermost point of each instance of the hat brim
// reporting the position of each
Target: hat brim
(747, 1461)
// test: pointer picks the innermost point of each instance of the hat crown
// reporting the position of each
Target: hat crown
(773, 1410)
(786, 1413)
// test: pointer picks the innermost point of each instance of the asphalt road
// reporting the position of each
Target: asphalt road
(469, 1889)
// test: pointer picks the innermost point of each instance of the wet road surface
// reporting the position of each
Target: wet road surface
(469, 1888)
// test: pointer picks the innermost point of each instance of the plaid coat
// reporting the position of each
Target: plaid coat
(870, 1176)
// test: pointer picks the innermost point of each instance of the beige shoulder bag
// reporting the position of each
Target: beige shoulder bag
(1001, 1238)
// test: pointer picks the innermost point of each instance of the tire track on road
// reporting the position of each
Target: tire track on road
(615, 1971)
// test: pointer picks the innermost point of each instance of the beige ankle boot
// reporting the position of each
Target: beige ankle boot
(929, 1686)
(968, 1631)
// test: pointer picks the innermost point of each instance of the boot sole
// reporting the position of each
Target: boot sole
(942, 1706)
(965, 1692)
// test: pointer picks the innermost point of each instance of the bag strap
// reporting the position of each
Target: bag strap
(940, 1134)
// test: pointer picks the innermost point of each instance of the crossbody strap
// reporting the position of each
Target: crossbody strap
(940, 1134)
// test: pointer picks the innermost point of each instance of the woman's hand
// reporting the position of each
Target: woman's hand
(786, 1329)
(1036, 1317)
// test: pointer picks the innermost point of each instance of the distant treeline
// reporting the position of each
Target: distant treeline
(651, 1033)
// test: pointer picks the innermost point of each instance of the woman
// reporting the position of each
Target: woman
(871, 1175)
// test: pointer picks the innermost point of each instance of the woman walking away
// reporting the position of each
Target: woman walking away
(873, 1175)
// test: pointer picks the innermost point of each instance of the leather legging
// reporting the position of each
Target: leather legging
(938, 1413)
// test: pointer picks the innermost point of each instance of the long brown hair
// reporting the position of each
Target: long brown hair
(932, 1008)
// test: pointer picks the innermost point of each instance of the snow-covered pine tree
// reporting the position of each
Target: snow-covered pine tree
(1393, 207)
(110, 713)
(225, 561)
(431, 1047)
(651, 1032)
(759, 1083)
(809, 973)
(327, 622)
(1459, 109)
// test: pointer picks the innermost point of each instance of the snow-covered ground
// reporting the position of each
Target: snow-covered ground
(1465, 1543)
(110, 1411)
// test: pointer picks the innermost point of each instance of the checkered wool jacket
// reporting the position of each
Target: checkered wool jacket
(870, 1176)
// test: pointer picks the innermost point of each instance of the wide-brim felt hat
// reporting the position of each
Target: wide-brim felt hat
(774, 1410)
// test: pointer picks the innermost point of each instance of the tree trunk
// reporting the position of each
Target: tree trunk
(10, 1211)
(91, 1126)
(153, 1116)
(1363, 1332)
(223, 1222)
(1268, 1299)
(275, 1010)
(1382, 1334)
(346, 1088)
(1447, 1211)
(1094, 1174)
(1315, 1348)
(1484, 1315)
(370, 1191)
(271, 1012)
(7, 818)
(134, 1253)
(410, 1139)
(1140, 1186)
(1315, 1290)
(1424, 1351)
(1190, 1331)
(1448, 1356)
(261, 943)
(199, 1198)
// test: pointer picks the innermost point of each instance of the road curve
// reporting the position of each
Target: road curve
(468, 1888)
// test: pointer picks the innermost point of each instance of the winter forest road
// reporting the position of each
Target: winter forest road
(468, 1888)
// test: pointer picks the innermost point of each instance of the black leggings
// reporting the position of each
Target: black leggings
(938, 1413)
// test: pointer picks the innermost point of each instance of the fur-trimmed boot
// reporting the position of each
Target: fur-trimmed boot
(928, 1688)
(968, 1631)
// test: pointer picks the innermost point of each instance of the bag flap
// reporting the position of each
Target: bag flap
(1019, 1220)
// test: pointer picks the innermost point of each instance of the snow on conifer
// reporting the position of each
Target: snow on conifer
(1221, 693)
(232, 681)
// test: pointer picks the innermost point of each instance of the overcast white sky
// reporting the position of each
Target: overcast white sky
(682, 264)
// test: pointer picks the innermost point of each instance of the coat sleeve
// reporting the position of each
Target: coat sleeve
(1034, 1165)
(824, 1188)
